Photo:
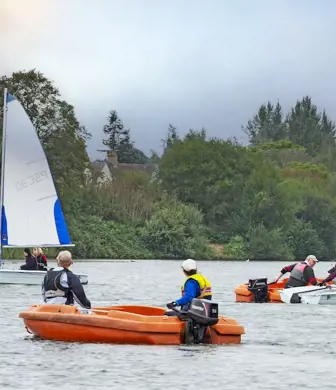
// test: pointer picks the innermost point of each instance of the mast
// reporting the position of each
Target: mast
(4, 118)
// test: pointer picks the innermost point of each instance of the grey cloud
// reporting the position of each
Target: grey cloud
(189, 63)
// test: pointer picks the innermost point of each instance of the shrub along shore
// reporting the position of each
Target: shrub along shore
(205, 198)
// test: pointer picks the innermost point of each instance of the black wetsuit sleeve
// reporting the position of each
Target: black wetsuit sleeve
(78, 290)
(289, 268)
(43, 287)
(330, 277)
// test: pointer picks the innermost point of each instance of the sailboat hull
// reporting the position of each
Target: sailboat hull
(312, 295)
(12, 276)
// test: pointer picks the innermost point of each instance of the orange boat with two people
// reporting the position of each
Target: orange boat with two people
(259, 291)
(133, 324)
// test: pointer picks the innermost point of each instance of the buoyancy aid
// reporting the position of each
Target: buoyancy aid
(298, 272)
(204, 284)
(53, 287)
(41, 262)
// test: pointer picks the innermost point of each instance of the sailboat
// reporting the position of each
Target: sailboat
(31, 213)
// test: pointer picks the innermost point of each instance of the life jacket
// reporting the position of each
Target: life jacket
(204, 284)
(298, 272)
(40, 262)
(53, 287)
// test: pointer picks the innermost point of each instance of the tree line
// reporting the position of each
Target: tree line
(273, 199)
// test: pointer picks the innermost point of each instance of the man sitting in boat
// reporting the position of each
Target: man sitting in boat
(301, 274)
(41, 259)
(61, 286)
(31, 262)
(195, 286)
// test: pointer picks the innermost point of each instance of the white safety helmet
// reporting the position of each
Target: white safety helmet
(189, 265)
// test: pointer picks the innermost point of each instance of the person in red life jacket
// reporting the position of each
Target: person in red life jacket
(31, 262)
(195, 286)
(301, 274)
(41, 259)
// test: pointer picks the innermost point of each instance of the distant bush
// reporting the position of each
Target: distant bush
(96, 238)
(176, 230)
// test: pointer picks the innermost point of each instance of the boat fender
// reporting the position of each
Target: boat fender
(28, 331)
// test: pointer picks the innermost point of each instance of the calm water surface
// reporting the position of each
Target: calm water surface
(285, 346)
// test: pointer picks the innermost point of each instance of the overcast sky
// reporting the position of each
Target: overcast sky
(192, 63)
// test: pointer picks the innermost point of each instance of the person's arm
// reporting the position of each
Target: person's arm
(43, 288)
(288, 268)
(190, 292)
(310, 276)
(330, 277)
(78, 291)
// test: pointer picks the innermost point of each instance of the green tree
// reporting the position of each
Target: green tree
(303, 240)
(267, 125)
(119, 140)
(195, 134)
(267, 244)
(283, 152)
(176, 230)
(308, 127)
(154, 157)
(234, 186)
(320, 211)
(172, 137)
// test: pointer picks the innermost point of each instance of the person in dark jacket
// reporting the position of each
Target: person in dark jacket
(330, 278)
(60, 286)
(31, 262)
(301, 274)
(333, 269)
(41, 259)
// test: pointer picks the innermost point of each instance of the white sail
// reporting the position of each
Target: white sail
(31, 212)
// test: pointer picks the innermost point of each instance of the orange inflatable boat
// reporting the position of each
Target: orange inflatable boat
(131, 325)
(258, 290)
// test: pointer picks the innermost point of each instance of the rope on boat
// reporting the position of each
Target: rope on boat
(27, 329)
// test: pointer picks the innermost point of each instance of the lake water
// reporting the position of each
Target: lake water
(285, 346)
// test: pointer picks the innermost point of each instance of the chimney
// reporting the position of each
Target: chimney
(112, 158)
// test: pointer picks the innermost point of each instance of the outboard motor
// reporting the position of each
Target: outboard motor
(259, 288)
(201, 314)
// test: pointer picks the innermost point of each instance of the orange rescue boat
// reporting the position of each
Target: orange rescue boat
(259, 291)
(127, 325)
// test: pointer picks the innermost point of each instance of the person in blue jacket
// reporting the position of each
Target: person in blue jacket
(195, 286)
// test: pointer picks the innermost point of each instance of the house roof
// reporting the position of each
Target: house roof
(148, 168)
(98, 164)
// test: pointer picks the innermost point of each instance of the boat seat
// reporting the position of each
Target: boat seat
(67, 309)
(49, 308)
(124, 315)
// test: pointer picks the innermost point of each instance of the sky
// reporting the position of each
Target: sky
(190, 63)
